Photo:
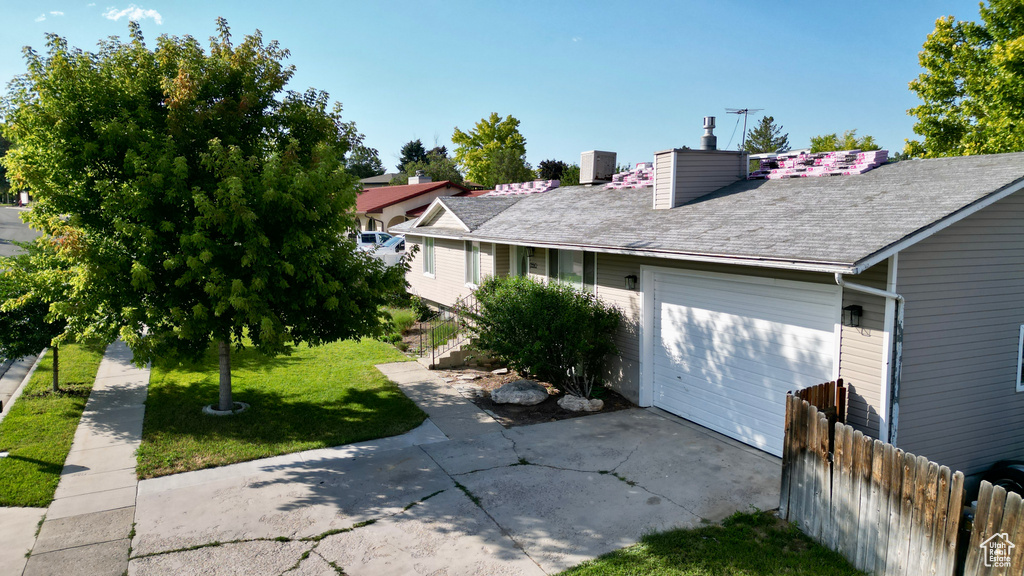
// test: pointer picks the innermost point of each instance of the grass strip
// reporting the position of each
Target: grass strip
(313, 398)
(38, 431)
(748, 544)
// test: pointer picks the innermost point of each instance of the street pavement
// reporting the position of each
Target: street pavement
(12, 228)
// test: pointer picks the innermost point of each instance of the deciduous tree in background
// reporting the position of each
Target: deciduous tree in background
(363, 162)
(199, 202)
(437, 165)
(493, 152)
(972, 86)
(767, 137)
(551, 169)
(848, 141)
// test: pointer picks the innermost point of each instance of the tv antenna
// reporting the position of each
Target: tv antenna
(746, 112)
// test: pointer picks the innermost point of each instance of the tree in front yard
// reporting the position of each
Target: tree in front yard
(552, 331)
(199, 202)
(28, 283)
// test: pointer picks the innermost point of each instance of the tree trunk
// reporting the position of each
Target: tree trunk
(56, 370)
(224, 349)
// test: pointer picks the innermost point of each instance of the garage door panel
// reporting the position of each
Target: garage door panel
(728, 348)
(725, 326)
(765, 359)
(751, 376)
(745, 405)
(753, 433)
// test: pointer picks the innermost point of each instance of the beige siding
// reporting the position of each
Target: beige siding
(539, 264)
(861, 354)
(663, 179)
(443, 219)
(448, 283)
(502, 257)
(611, 288)
(486, 260)
(958, 402)
(701, 172)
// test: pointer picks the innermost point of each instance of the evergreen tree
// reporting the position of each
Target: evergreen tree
(766, 137)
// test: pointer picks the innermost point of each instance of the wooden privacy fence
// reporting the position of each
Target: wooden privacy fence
(998, 529)
(886, 511)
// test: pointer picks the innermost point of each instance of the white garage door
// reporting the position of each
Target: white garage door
(728, 348)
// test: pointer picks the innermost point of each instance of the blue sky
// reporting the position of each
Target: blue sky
(633, 79)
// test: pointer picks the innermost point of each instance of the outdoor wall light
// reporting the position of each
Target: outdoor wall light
(529, 251)
(851, 315)
(631, 282)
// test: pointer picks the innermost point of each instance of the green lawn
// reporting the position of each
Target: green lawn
(314, 398)
(751, 544)
(40, 426)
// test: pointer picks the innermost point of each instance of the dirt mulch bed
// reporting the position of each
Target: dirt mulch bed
(478, 391)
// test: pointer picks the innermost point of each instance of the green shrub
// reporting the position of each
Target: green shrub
(423, 312)
(401, 319)
(552, 331)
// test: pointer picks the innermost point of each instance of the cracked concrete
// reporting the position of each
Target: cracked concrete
(550, 496)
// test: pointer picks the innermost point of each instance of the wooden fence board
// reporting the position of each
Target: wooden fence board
(1008, 525)
(796, 486)
(856, 463)
(938, 540)
(787, 458)
(849, 530)
(888, 461)
(870, 518)
(1015, 531)
(974, 547)
(907, 491)
(823, 480)
(893, 545)
(864, 519)
(952, 532)
(810, 477)
(926, 523)
(837, 511)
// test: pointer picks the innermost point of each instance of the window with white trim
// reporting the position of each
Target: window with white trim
(472, 263)
(1020, 360)
(428, 256)
(573, 267)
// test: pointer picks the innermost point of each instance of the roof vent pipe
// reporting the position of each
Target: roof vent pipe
(709, 141)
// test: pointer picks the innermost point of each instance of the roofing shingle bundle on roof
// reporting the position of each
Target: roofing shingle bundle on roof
(841, 163)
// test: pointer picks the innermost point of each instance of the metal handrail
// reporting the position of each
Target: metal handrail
(453, 323)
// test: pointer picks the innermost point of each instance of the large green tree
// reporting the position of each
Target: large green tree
(199, 201)
(437, 165)
(412, 151)
(363, 162)
(972, 86)
(848, 141)
(767, 137)
(29, 282)
(493, 152)
(551, 169)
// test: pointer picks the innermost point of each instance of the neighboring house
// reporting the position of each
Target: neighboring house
(734, 290)
(381, 208)
(378, 181)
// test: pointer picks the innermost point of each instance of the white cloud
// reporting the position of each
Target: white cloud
(56, 13)
(576, 38)
(133, 12)
(41, 18)
(90, 4)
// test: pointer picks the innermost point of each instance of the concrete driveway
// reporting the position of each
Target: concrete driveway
(528, 500)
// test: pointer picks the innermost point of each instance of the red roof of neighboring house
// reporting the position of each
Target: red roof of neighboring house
(376, 199)
(471, 193)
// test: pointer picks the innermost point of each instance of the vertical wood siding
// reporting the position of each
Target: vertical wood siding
(449, 281)
(963, 287)
(861, 352)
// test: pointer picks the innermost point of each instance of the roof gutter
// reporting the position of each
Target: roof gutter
(895, 354)
(823, 267)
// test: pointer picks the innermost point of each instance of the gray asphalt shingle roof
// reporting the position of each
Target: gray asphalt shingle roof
(837, 221)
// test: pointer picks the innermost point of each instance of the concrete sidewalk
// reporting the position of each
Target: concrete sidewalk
(88, 526)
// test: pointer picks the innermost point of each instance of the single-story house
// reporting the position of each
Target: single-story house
(736, 291)
(381, 208)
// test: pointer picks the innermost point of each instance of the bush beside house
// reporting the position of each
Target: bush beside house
(548, 330)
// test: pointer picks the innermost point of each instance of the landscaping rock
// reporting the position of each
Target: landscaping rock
(500, 371)
(580, 404)
(468, 377)
(523, 392)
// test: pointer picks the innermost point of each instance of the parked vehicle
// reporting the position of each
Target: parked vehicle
(391, 251)
(367, 241)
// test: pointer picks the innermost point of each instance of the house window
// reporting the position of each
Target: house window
(573, 267)
(473, 263)
(428, 256)
(522, 261)
(1020, 360)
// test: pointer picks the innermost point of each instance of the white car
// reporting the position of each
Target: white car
(391, 251)
(367, 241)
